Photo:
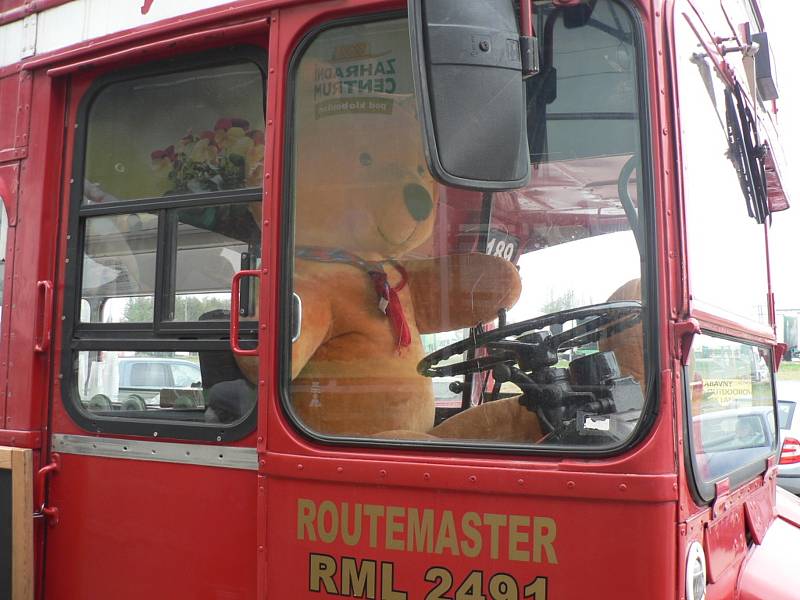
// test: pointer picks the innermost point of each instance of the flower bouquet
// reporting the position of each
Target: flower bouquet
(229, 157)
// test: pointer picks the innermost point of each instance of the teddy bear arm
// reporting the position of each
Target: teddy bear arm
(315, 325)
(461, 290)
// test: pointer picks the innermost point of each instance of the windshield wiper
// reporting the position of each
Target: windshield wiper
(746, 153)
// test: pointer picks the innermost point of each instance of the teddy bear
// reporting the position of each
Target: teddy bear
(365, 208)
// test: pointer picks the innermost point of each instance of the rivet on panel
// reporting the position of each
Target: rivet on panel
(339, 469)
(299, 467)
(472, 478)
(382, 472)
(520, 482)
(622, 487)
(426, 476)
(570, 484)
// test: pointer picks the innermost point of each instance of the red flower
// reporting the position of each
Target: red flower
(224, 123)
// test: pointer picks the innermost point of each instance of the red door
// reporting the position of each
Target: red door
(153, 419)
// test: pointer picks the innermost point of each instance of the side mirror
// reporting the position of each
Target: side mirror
(470, 94)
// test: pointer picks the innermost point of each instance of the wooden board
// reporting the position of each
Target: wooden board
(16, 524)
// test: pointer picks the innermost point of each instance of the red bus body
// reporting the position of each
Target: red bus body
(296, 518)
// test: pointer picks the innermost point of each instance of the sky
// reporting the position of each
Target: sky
(780, 20)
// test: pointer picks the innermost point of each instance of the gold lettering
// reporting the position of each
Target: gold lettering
(358, 582)
(544, 532)
(327, 535)
(420, 532)
(321, 569)
(387, 584)
(373, 512)
(469, 521)
(517, 537)
(447, 535)
(306, 509)
(494, 522)
(394, 527)
(351, 537)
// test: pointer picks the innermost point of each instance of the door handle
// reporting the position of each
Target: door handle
(235, 307)
(43, 332)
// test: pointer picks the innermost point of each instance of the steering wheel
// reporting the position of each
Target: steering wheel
(528, 345)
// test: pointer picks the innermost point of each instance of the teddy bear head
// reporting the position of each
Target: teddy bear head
(361, 182)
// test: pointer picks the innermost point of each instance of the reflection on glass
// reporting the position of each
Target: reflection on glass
(187, 132)
(733, 419)
(119, 266)
(213, 243)
(202, 386)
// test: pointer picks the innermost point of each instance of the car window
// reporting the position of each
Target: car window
(185, 376)
(148, 374)
(785, 414)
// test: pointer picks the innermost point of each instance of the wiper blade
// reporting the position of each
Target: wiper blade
(746, 153)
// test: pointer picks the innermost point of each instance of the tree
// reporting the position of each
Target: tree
(187, 308)
(562, 302)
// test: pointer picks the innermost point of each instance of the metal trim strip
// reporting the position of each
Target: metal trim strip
(229, 457)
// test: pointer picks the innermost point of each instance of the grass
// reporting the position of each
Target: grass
(789, 371)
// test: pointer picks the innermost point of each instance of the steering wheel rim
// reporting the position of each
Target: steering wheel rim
(615, 317)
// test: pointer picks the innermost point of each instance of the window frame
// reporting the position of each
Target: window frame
(649, 276)
(161, 334)
(702, 491)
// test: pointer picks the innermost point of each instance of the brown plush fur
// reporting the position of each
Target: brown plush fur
(627, 345)
(349, 376)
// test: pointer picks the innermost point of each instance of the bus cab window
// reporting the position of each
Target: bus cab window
(448, 316)
(164, 215)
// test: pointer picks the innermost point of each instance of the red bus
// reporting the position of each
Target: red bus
(446, 299)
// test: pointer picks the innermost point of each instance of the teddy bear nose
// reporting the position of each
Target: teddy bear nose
(418, 201)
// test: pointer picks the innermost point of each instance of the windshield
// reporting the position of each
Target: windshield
(444, 315)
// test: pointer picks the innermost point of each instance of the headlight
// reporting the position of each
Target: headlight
(695, 572)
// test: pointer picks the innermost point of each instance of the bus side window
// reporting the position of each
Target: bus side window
(165, 213)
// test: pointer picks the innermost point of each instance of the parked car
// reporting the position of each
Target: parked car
(152, 382)
(733, 436)
(789, 424)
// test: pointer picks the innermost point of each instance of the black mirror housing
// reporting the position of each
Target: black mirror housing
(470, 93)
